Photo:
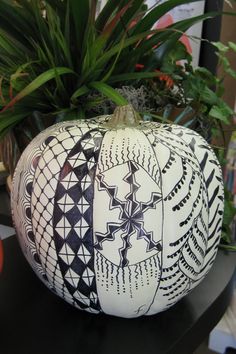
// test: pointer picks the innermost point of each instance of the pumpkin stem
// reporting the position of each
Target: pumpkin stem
(124, 116)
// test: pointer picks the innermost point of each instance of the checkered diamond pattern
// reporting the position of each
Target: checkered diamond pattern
(47, 173)
(73, 232)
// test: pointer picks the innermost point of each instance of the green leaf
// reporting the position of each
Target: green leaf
(208, 96)
(105, 14)
(17, 21)
(231, 72)
(113, 65)
(166, 40)
(109, 92)
(178, 29)
(206, 75)
(221, 47)
(101, 41)
(228, 247)
(94, 102)
(59, 6)
(155, 14)
(70, 114)
(83, 90)
(8, 119)
(220, 113)
(100, 65)
(10, 46)
(36, 83)
(179, 52)
(229, 215)
(132, 14)
(115, 49)
(232, 46)
(229, 210)
(98, 45)
(116, 19)
(133, 76)
(80, 12)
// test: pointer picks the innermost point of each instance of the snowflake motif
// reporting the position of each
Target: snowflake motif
(131, 216)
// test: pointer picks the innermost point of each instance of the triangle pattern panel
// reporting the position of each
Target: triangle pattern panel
(48, 168)
(74, 200)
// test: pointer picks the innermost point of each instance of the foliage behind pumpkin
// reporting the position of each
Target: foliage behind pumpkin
(54, 53)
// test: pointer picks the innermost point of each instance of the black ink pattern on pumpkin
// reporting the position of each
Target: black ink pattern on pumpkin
(176, 200)
(74, 205)
(135, 239)
(53, 157)
(131, 215)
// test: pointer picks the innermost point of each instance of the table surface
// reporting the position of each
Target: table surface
(35, 321)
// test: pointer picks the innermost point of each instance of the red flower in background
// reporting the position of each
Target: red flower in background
(166, 21)
(169, 82)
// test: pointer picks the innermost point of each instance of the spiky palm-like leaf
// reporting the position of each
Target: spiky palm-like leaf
(53, 53)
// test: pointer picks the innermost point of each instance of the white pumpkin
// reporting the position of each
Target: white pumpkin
(117, 215)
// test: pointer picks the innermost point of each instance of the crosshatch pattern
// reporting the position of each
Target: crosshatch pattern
(123, 221)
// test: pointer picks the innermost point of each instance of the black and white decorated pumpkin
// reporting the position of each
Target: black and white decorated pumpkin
(117, 215)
